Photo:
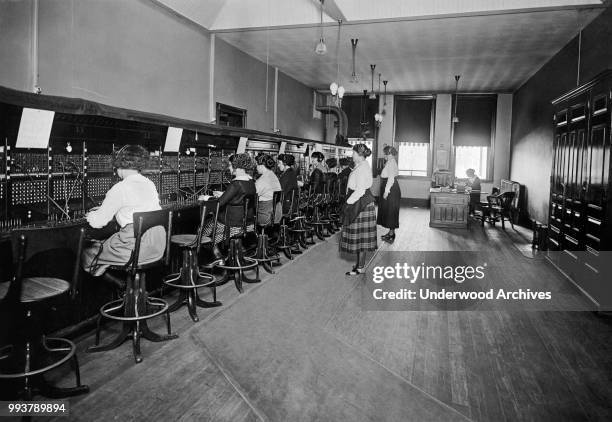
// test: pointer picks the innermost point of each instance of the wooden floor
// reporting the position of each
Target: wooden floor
(299, 347)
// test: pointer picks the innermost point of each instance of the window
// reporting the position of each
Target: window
(412, 158)
(472, 134)
(413, 133)
(369, 143)
(230, 116)
(471, 157)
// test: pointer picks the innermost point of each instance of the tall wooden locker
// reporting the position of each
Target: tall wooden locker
(580, 214)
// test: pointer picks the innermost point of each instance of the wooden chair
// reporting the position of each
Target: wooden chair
(235, 262)
(265, 253)
(502, 210)
(136, 307)
(285, 242)
(189, 279)
(28, 297)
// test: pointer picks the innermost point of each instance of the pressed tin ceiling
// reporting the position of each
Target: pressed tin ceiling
(418, 46)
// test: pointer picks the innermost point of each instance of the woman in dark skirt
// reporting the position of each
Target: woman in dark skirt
(359, 227)
(389, 202)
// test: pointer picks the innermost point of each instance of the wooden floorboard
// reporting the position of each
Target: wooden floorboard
(300, 347)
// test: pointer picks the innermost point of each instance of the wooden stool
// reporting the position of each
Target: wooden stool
(136, 307)
(30, 353)
(235, 262)
(190, 278)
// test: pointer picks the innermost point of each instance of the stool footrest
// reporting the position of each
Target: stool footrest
(151, 301)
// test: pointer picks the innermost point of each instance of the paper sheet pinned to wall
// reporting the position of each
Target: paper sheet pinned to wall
(34, 128)
(173, 139)
(242, 144)
(319, 147)
(442, 159)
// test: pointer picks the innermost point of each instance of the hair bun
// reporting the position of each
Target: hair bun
(367, 152)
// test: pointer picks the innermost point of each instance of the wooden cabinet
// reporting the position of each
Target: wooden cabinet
(448, 209)
(580, 219)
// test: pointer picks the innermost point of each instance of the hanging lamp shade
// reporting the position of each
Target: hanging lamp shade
(333, 87)
(321, 48)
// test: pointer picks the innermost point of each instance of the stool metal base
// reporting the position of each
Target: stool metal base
(22, 367)
(235, 264)
(135, 307)
(188, 280)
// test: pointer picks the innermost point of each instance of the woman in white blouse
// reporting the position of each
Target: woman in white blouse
(266, 185)
(389, 202)
(134, 193)
(359, 225)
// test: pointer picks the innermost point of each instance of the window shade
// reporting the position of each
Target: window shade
(475, 115)
(353, 107)
(413, 119)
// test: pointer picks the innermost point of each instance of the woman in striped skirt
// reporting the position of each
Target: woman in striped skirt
(359, 226)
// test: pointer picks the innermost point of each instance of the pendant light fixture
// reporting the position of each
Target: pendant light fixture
(385, 97)
(354, 76)
(372, 93)
(364, 123)
(337, 91)
(321, 48)
(455, 118)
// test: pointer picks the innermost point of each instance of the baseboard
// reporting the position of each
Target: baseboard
(415, 202)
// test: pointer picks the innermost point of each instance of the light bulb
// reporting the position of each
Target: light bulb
(333, 87)
(340, 91)
(68, 147)
(187, 151)
(372, 96)
(321, 48)
(455, 119)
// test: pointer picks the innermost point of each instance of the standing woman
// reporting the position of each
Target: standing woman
(359, 227)
(388, 208)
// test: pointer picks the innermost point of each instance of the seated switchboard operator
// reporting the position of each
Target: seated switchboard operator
(266, 185)
(317, 175)
(231, 211)
(134, 193)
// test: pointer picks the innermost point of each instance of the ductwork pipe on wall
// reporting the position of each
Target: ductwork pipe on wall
(341, 137)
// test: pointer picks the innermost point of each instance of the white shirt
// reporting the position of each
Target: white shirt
(359, 181)
(266, 185)
(133, 194)
(390, 172)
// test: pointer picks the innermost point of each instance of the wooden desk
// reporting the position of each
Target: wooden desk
(448, 209)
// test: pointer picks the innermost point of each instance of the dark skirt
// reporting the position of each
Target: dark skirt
(220, 233)
(388, 209)
(360, 235)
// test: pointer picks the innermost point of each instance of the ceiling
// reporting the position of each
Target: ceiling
(495, 45)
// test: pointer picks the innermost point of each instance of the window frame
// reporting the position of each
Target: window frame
(432, 129)
(491, 153)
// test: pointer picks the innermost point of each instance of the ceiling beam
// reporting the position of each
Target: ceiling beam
(331, 9)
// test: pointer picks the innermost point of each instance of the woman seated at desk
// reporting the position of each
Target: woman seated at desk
(231, 212)
(473, 183)
(266, 185)
(134, 193)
